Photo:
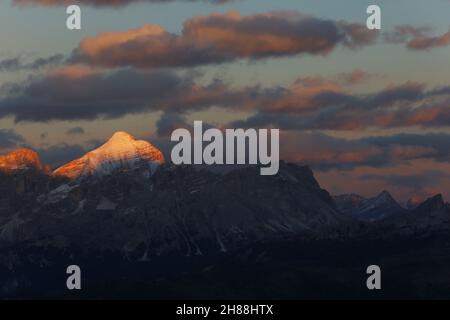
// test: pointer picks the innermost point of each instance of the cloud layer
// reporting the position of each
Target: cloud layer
(77, 92)
(324, 152)
(219, 38)
(406, 105)
(10, 139)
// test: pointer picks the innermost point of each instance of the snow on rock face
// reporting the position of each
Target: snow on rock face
(122, 151)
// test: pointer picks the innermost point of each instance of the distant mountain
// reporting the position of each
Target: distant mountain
(122, 151)
(19, 160)
(360, 208)
(432, 216)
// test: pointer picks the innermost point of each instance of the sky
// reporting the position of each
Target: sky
(367, 110)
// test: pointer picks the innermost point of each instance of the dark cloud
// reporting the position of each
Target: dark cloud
(219, 38)
(437, 143)
(401, 106)
(170, 122)
(60, 154)
(75, 131)
(104, 3)
(324, 152)
(75, 92)
(427, 178)
(414, 183)
(20, 64)
(79, 94)
(9, 140)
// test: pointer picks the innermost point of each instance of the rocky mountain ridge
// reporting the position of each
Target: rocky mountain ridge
(122, 197)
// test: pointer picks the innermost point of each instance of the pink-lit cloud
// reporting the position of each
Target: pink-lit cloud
(219, 38)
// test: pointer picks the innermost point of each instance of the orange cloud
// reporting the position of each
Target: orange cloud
(219, 38)
(72, 72)
(425, 43)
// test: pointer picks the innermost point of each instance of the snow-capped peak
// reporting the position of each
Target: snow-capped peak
(121, 151)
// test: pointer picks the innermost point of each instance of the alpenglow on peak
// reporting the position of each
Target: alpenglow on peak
(121, 151)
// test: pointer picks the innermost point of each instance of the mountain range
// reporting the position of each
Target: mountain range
(124, 200)
(371, 209)
(166, 208)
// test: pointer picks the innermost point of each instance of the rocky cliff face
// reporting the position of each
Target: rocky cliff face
(178, 210)
(20, 159)
(22, 175)
(121, 197)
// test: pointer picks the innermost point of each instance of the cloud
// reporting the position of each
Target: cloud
(324, 152)
(426, 43)
(103, 3)
(83, 94)
(78, 92)
(406, 105)
(10, 140)
(416, 38)
(18, 63)
(354, 77)
(437, 143)
(402, 33)
(419, 183)
(170, 122)
(219, 38)
(428, 178)
(54, 155)
(75, 131)
(60, 154)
